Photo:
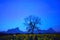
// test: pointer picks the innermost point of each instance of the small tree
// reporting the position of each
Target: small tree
(31, 22)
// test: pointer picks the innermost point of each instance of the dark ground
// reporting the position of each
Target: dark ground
(30, 37)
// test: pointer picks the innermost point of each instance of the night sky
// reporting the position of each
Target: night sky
(13, 12)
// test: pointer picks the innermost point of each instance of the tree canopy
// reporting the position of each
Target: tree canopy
(31, 22)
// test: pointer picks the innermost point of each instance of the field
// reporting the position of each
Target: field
(31, 37)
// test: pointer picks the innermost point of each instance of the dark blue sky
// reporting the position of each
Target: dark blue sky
(13, 12)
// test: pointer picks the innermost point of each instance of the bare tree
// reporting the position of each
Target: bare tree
(31, 22)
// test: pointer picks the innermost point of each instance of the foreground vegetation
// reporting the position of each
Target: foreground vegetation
(31, 37)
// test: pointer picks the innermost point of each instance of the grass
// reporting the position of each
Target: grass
(31, 37)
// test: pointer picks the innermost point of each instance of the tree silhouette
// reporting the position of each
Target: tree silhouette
(31, 22)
